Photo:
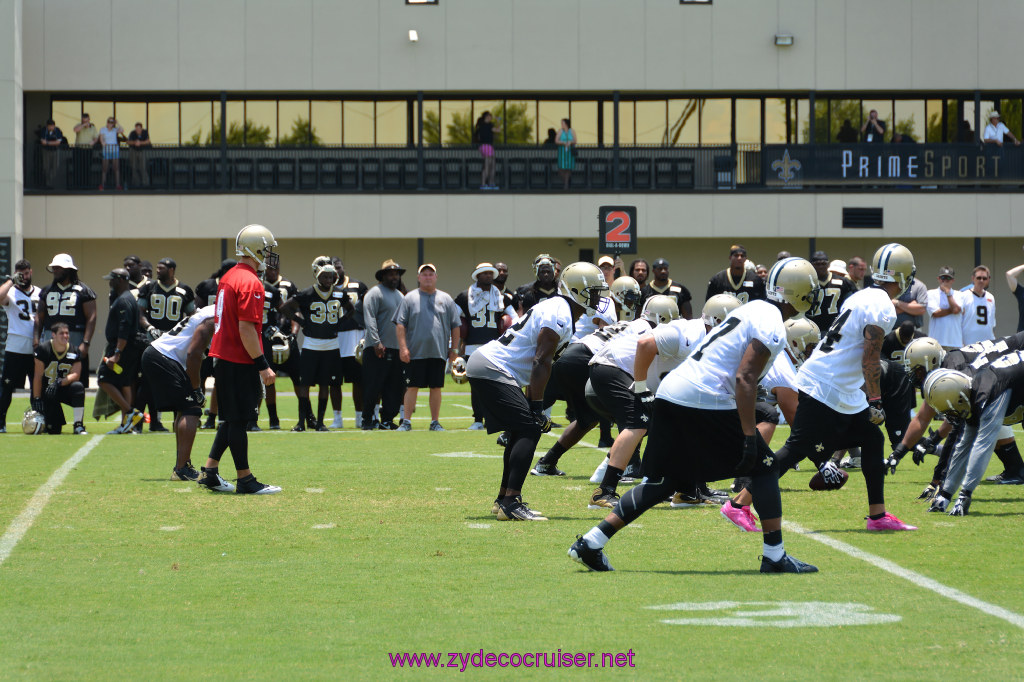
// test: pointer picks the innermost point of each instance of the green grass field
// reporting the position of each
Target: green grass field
(383, 543)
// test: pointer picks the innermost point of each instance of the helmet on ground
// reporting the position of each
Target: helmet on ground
(894, 263)
(660, 309)
(925, 353)
(793, 281)
(33, 423)
(949, 393)
(626, 291)
(718, 307)
(358, 354)
(257, 242)
(802, 336)
(280, 348)
(583, 283)
(459, 371)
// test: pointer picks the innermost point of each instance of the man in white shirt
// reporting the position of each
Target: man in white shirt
(944, 311)
(996, 130)
(19, 300)
(978, 320)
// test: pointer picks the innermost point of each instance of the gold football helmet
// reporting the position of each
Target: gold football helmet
(583, 283)
(459, 371)
(802, 336)
(660, 309)
(626, 291)
(718, 307)
(949, 393)
(894, 263)
(257, 242)
(793, 280)
(925, 354)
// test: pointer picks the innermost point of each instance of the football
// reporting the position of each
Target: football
(817, 482)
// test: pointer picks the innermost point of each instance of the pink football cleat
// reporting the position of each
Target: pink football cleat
(742, 517)
(888, 522)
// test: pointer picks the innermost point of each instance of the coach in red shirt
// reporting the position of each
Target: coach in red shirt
(240, 369)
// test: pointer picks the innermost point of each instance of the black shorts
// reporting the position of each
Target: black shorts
(319, 368)
(352, 371)
(504, 407)
(818, 431)
(205, 370)
(169, 385)
(688, 444)
(239, 391)
(612, 387)
(424, 373)
(18, 369)
(569, 377)
(129, 363)
(765, 413)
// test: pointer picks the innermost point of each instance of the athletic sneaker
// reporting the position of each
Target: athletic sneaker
(684, 500)
(518, 511)
(250, 486)
(786, 564)
(185, 473)
(1006, 478)
(542, 469)
(79, 429)
(962, 505)
(851, 463)
(406, 425)
(338, 423)
(502, 439)
(476, 426)
(741, 516)
(594, 559)
(717, 495)
(928, 493)
(436, 426)
(603, 499)
(389, 425)
(496, 507)
(3, 428)
(275, 426)
(939, 503)
(213, 481)
(211, 421)
(599, 471)
(888, 522)
(320, 427)
(251, 427)
(157, 427)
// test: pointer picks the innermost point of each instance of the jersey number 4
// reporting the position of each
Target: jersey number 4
(834, 334)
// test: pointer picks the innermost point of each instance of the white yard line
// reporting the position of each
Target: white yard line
(16, 531)
(908, 575)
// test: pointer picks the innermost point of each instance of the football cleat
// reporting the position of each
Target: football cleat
(928, 493)
(406, 425)
(436, 426)
(888, 522)
(742, 517)
(594, 559)
(719, 496)
(185, 473)
(320, 427)
(157, 428)
(542, 469)
(477, 426)
(962, 505)
(502, 439)
(80, 429)
(786, 564)
(275, 425)
(496, 507)
(851, 463)
(686, 500)
(939, 503)
(251, 427)
(518, 511)
(338, 423)
(250, 486)
(213, 481)
(603, 499)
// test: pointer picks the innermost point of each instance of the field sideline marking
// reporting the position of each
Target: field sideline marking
(909, 575)
(35, 506)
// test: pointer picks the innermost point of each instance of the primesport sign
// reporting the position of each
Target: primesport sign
(616, 229)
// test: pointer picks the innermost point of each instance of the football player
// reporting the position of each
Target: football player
(118, 371)
(486, 312)
(319, 313)
(662, 285)
(736, 279)
(835, 289)
(840, 385)
(69, 301)
(56, 381)
(206, 294)
(703, 424)
(544, 287)
(171, 368)
(350, 331)
(278, 290)
(19, 300)
(522, 358)
(133, 264)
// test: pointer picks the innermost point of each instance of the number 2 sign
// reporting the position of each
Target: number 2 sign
(616, 229)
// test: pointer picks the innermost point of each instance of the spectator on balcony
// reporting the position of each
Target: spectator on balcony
(873, 129)
(965, 134)
(566, 152)
(485, 129)
(110, 139)
(996, 130)
(639, 270)
(86, 135)
(902, 138)
(139, 142)
(51, 138)
(847, 134)
(551, 142)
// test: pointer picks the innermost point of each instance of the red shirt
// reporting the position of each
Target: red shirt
(239, 297)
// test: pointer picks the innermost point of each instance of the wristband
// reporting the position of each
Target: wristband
(536, 406)
(261, 362)
(639, 386)
(117, 351)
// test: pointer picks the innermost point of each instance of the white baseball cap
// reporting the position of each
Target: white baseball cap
(838, 266)
(62, 260)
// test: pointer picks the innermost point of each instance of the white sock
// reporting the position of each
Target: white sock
(774, 552)
(596, 539)
(359, 420)
(337, 415)
(79, 413)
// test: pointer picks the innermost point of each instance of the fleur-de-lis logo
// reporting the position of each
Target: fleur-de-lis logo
(786, 166)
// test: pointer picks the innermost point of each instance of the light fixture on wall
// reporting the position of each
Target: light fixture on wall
(414, 37)
(783, 40)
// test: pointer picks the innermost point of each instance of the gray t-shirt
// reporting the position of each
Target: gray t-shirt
(428, 320)
(917, 292)
(379, 307)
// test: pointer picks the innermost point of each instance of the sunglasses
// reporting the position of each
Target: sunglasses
(945, 277)
(981, 277)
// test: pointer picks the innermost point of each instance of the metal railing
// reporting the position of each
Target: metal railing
(748, 167)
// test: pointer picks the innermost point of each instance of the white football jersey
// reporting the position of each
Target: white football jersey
(946, 330)
(514, 350)
(174, 344)
(587, 324)
(781, 375)
(621, 350)
(707, 379)
(833, 374)
(21, 314)
(596, 341)
(978, 321)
